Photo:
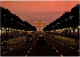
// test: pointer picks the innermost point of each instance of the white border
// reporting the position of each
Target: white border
(39, 0)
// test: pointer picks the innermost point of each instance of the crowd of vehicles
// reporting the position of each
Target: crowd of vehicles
(40, 38)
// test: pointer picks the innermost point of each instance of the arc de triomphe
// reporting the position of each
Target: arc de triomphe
(39, 23)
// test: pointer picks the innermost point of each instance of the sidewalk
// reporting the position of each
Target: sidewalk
(15, 40)
(72, 40)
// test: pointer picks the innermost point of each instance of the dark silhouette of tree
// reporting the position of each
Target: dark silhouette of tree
(68, 19)
(11, 20)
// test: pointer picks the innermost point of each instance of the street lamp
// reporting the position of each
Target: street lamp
(79, 30)
(6, 28)
(4, 15)
(72, 31)
(79, 26)
(0, 32)
(69, 27)
(2, 28)
(63, 29)
(12, 29)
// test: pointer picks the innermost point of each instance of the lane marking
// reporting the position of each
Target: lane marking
(53, 47)
(48, 43)
(28, 52)
(30, 48)
(25, 55)
(71, 43)
(62, 44)
(34, 42)
(19, 44)
(78, 50)
(59, 42)
(11, 48)
(61, 55)
(57, 51)
(4, 52)
(71, 47)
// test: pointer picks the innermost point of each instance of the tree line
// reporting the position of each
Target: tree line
(68, 19)
(11, 20)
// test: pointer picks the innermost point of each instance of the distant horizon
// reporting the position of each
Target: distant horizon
(31, 15)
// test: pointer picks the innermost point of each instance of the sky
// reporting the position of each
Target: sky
(33, 11)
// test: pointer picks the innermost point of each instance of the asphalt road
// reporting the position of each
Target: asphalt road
(53, 46)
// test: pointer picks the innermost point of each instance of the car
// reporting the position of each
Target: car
(28, 40)
(41, 40)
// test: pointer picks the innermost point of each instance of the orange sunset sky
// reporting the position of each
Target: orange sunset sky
(32, 11)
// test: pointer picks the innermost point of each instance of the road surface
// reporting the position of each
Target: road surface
(53, 46)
